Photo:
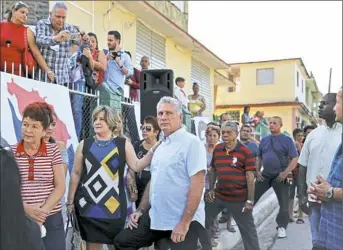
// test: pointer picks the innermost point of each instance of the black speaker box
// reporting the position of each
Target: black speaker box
(155, 83)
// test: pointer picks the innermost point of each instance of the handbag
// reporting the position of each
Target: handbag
(28, 61)
(72, 235)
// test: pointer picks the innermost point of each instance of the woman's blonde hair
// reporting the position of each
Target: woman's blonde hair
(212, 128)
(111, 116)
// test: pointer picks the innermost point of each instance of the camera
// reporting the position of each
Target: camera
(115, 54)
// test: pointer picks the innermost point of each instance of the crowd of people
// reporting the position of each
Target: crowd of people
(168, 189)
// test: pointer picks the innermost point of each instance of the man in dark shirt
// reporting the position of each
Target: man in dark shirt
(278, 156)
(245, 139)
(233, 166)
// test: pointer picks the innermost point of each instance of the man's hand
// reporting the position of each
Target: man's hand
(320, 189)
(282, 177)
(303, 204)
(259, 176)
(210, 196)
(129, 81)
(63, 36)
(248, 207)
(179, 233)
(134, 218)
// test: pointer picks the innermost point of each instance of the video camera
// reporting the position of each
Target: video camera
(115, 54)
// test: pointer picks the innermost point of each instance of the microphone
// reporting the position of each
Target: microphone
(8, 43)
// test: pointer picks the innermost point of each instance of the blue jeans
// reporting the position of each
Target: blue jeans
(76, 105)
(314, 221)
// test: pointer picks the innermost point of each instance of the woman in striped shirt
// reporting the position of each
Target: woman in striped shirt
(42, 175)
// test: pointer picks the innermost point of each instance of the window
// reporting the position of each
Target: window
(265, 76)
(180, 5)
(201, 74)
(231, 89)
(302, 86)
(150, 44)
(297, 78)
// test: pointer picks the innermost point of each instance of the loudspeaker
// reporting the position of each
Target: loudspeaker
(155, 83)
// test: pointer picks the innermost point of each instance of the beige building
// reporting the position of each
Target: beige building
(281, 87)
(157, 29)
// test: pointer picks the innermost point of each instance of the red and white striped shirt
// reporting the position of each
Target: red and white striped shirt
(36, 172)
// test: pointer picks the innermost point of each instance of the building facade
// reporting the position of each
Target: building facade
(278, 87)
(157, 29)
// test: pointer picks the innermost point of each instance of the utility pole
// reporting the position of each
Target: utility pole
(330, 80)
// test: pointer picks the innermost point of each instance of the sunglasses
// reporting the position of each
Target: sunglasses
(146, 128)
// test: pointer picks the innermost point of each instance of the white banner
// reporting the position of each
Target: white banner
(200, 127)
(17, 92)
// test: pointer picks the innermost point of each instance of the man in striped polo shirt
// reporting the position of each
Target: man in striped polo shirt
(233, 165)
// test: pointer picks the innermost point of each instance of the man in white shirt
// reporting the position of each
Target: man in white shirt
(316, 158)
(179, 93)
(172, 205)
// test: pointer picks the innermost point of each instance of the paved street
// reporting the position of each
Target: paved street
(298, 238)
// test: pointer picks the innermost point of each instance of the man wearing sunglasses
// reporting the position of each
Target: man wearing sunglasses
(172, 206)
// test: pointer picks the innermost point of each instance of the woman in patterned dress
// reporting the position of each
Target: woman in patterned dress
(97, 190)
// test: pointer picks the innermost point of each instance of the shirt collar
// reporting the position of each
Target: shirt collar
(174, 135)
(21, 151)
(238, 145)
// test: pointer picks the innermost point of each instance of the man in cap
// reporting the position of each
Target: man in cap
(233, 165)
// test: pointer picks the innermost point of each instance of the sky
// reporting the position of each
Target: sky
(254, 31)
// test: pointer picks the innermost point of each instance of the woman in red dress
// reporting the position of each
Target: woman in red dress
(16, 41)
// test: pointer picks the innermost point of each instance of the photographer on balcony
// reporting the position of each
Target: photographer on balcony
(119, 66)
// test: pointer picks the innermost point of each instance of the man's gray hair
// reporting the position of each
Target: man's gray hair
(170, 100)
(59, 5)
(232, 125)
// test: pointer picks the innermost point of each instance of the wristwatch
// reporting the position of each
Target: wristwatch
(329, 194)
(250, 202)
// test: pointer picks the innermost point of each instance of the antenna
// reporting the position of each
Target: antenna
(330, 80)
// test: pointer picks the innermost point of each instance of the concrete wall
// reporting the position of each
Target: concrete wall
(170, 11)
(283, 88)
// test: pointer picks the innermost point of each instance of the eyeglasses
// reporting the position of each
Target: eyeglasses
(146, 128)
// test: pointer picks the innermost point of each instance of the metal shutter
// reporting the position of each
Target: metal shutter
(150, 44)
(201, 75)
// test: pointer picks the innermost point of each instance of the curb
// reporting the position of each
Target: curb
(265, 209)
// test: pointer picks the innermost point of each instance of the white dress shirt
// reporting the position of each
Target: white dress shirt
(180, 156)
(318, 151)
(180, 94)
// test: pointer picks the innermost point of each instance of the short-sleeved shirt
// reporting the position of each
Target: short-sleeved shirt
(284, 145)
(253, 147)
(56, 54)
(318, 151)
(179, 157)
(231, 168)
(330, 226)
(37, 189)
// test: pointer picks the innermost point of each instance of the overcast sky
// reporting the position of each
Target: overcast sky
(253, 31)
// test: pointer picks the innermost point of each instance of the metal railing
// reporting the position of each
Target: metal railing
(90, 97)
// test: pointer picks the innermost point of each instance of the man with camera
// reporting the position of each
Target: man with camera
(119, 65)
(54, 38)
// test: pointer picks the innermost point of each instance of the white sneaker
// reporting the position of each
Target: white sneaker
(281, 232)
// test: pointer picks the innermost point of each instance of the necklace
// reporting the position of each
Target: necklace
(103, 145)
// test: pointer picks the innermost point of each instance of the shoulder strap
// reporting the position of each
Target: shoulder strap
(275, 151)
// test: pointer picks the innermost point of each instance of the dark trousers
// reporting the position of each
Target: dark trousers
(282, 193)
(55, 235)
(244, 220)
(142, 180)
(143, 236)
